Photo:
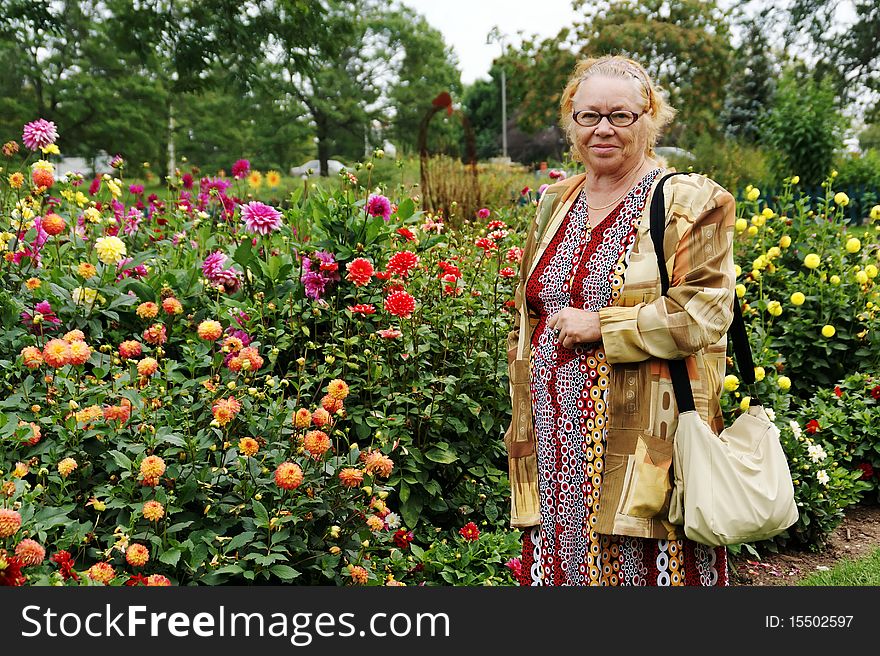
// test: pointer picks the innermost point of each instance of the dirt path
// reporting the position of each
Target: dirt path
(858, 535)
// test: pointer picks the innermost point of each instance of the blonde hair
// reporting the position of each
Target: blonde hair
(659, 111)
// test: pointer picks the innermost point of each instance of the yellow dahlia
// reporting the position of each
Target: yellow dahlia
(86, 270)
(110, 249)
(74, 336)
(210, 330)
(80, 352)
(20, 470)
(66, 467)
(248, 446)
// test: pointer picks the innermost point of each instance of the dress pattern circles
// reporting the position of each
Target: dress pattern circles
(584, 268)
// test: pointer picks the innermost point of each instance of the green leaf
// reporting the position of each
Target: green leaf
(170, 556)
(229, 569)
(240, 540)
(440, 455)
(406, 209)
(121, 459)
(412, 509)
(261, 514)
(284, 572)
(244, 254)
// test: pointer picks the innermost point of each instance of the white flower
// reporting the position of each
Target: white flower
(795, 428)
(816, 453)
(822, 477)
(392, 520)
(770, 414)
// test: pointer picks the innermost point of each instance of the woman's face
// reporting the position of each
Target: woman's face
(605, 148)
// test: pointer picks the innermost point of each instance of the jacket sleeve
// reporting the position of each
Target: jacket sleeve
(698, 309)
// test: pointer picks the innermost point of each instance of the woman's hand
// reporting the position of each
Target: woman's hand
(574, 327)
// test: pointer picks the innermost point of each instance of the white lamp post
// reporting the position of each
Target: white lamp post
(495, 35)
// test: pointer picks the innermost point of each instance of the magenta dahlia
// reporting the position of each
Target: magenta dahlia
(240, 169)
(378, 205)
(38, 134)
(261, 218)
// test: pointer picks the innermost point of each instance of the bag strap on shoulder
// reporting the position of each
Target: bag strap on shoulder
(681, 384)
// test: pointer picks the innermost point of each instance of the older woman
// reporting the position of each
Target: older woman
(590, 441)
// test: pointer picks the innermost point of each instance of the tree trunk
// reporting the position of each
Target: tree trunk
(172, 160)
(323, 147)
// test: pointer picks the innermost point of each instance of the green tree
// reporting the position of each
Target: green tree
(847, 54)
(753, 82)
(427, 67)
(804, 126)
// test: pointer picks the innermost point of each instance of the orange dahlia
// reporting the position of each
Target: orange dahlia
(53, 224)
(288, 476)
(172, 306)
(147, 366)
(153, 511)
(137, 555)
(338, 389)
(66, 467)
(156, 334)
(74, 336)
(358, 574)
(30, 552)
(210, 330)
(101, 572)
(248, 446)
(316, 443)
(157, 580)
(10, 522)
(253, 357)
(130, 349)
(36, 433)
(375, 523)
(376, 462)
(320, 417)
(80, 352)
(302, 418)
(148, 310)
(224, 410)
(152, 468)
(56, 353)
(351, 477)
(32, 357)
(330, 404)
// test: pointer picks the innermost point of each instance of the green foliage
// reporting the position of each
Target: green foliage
(803, 127)
(849, 418)
(848, 572)
(732, 163)
(862, 170)
(458, 561)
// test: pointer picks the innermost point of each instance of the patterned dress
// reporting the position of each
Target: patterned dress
(584, 268)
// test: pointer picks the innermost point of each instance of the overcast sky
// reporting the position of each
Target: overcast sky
(465, 24)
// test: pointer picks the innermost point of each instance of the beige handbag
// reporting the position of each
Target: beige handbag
(734, 487)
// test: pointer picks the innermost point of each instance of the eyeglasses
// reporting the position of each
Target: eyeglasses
(619, 119)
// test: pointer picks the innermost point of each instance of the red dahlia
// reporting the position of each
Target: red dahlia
(400, 304)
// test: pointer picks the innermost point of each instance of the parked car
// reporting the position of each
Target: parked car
(312, 168)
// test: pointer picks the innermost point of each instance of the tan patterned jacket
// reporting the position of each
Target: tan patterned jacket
(639, 331)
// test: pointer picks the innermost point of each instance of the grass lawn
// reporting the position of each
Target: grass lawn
(864, 571)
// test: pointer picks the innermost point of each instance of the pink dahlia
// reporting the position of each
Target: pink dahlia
(240, 169)
(260, 217)
(38, 134)
(213, 264)
(10, 522)
(378, 205)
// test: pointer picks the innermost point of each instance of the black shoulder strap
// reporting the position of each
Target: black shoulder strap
(677, 369)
